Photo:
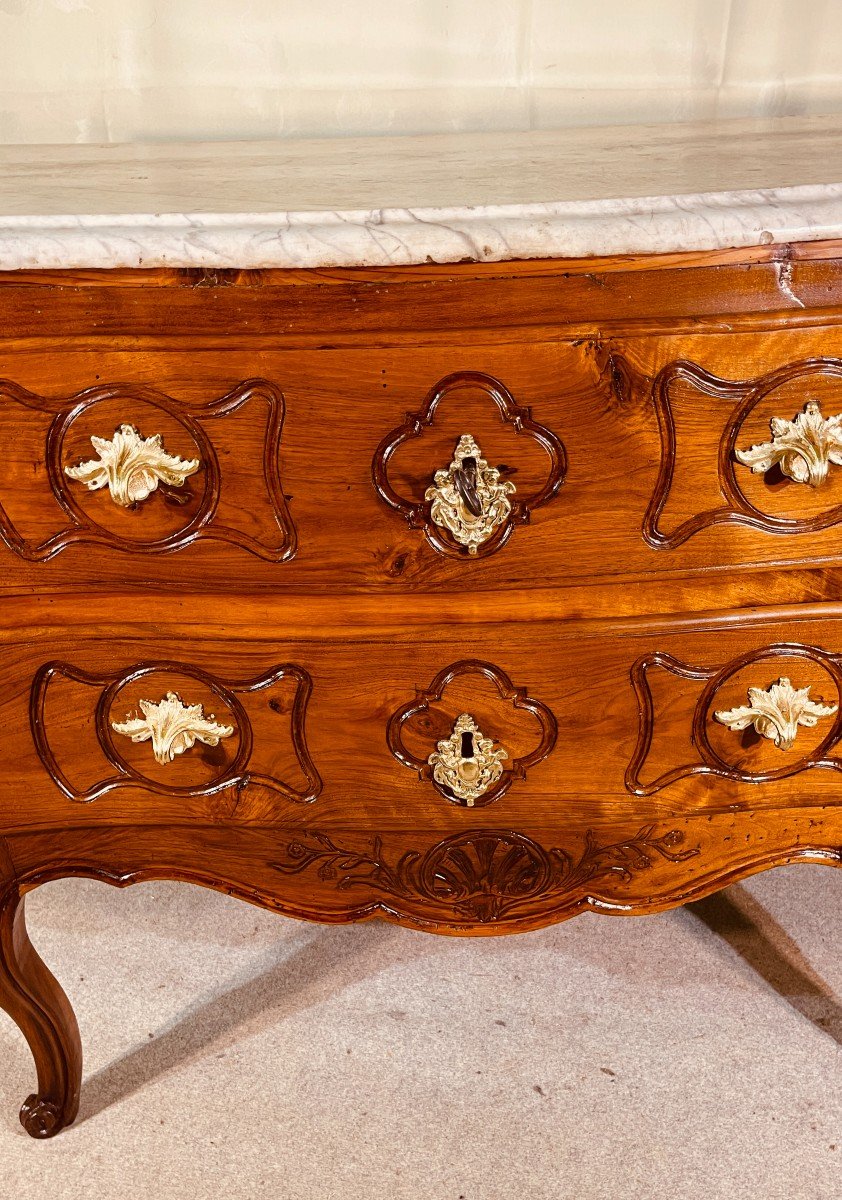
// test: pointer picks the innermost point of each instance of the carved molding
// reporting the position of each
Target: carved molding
(516, 696)
(418, 511)
(255, 864)
(204, 522)
(484, 875)
(713, 679)
(744, 398)
(238, 773)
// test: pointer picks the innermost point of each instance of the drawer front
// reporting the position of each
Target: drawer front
(428, 469)
(618, 754)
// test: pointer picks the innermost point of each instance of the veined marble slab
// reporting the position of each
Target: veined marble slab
(397, 201)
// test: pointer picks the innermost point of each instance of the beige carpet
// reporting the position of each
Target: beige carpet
(236, 1055)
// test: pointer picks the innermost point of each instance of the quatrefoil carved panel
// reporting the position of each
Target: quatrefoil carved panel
(428, 736)
(467, 509)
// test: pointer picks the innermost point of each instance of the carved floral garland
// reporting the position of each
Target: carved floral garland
(482, 875)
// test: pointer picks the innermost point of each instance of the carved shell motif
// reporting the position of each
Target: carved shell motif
(467, 764)
(172, 726)
(468, 499)
(131, 466)
(804, 448)
(777, 712)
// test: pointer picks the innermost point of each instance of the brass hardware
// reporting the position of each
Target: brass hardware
(468, 499)
(804, 448)
(132, 466)
(467, 764)
(172, 726)
(777, 712)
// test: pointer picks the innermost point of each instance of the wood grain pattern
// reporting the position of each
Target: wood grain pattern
(169, 520)
(341, 646)
(775, 390)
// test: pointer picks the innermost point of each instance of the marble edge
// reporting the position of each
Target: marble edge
(406, 236)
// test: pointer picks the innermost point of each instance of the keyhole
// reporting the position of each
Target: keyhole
(467, 750)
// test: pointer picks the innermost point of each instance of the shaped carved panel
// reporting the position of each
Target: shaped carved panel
(472, 758)
(173, 729)
(767, 715)
(769, 462)
(467, 506)
(127, 466)
(484, 875)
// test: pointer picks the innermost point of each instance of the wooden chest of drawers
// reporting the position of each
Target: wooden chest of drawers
(454, 595)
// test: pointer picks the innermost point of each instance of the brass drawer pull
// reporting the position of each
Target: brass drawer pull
(777, 712)
(466, 763)
(172, 726)
(803, 448)
(468, 499)
(132, 466)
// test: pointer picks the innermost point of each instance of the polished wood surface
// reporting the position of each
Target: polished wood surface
(297, 596)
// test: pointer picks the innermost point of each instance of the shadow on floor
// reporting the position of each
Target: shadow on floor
(735, 916)
(329, 962)
(336, 958)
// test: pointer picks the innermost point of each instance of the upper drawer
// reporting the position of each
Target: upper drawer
(462, 468)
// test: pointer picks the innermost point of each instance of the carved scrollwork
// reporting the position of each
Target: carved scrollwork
(131, 466)
(471, 774)
(482, 876)
(469, 511)
(802, 449)
(173, 727)
(777, 712)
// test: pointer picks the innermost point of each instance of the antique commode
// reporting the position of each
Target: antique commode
(444, 529)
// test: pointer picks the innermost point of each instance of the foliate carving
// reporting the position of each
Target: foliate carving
(484, 875)
(803, 448)
(777, 712)
(172, 726)
(468, 499)
(457, 775)
(475, 513)
(131, 467)
(467, 763)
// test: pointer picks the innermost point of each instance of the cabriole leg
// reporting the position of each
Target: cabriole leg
(34, 1000)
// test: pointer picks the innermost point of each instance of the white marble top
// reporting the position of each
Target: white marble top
(392, 201)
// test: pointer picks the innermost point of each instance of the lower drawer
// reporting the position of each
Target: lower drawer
(432, 758)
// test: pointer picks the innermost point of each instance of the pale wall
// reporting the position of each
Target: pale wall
(125, 70)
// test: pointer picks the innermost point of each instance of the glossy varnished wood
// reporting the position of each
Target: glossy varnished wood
(339, 636)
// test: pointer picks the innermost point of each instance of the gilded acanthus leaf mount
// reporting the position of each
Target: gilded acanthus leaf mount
(172, 726)
(131, 466)
(777, 712)
(803, 448)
